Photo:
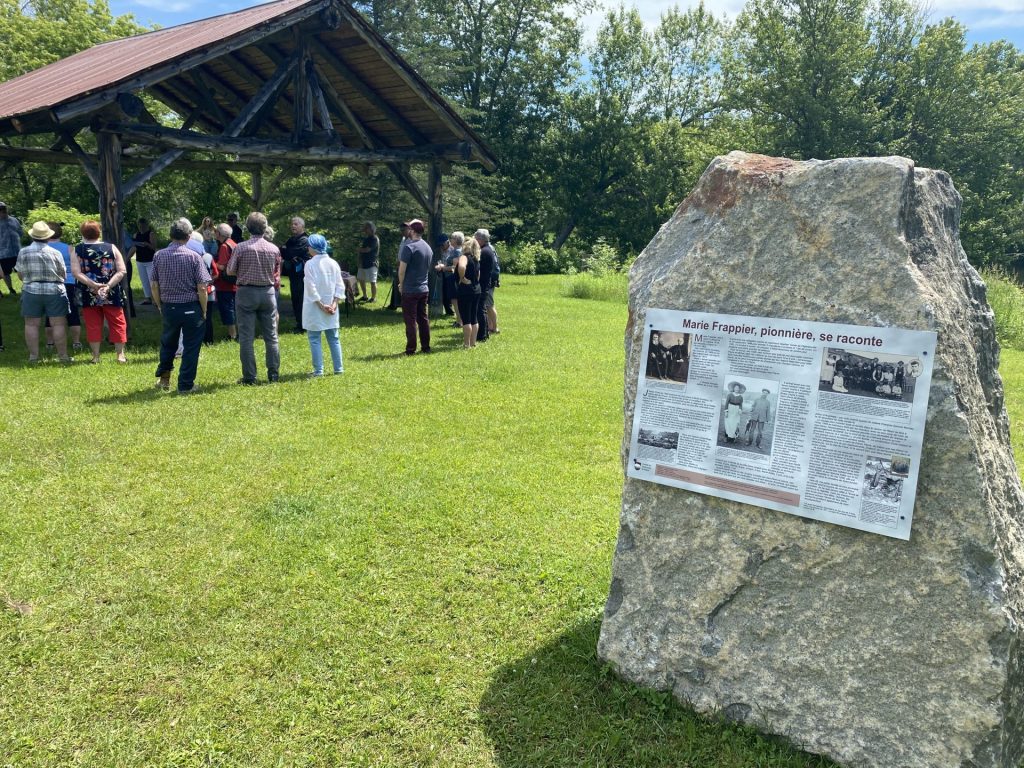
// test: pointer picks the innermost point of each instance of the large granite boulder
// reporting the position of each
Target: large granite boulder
(871, 650)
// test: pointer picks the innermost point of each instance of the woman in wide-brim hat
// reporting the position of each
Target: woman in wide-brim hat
(733, 410)
(42, 272)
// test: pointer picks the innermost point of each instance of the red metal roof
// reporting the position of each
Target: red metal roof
(110, 63)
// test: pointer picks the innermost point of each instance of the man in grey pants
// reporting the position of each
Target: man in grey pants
(256, 263)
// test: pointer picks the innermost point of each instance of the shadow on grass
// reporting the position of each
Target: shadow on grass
(148, 393)
(560, 706)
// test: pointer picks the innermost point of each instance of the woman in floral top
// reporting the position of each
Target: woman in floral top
(99, 268)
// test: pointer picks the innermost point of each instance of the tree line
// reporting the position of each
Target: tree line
(600, 139)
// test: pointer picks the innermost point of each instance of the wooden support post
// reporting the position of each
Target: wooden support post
(303, 116)
(436, 210)
(436, 214)
(91, 169)
(108, 150)
(282, 176)
(108, 146)
(231, 182)
(257, 190)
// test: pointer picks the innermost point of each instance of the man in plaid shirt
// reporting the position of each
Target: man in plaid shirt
(256, 263)
(178, 278)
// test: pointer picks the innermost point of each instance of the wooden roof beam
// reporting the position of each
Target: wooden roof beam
(271, 90)
(318, 97)
(258, 148)
(241, 67)
(177, 95)
(205, 92)
(366, 136)
(412, 134)
(89, 163)
(51, 157)
(410, 78)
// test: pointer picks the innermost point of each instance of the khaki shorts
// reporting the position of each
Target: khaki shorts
(367, 275)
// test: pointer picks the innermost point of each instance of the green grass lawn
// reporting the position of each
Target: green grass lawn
(402, 566)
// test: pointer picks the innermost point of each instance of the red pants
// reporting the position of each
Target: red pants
(414, 311)
(94, 317)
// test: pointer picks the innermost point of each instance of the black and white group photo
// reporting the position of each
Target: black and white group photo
(747, 418)
(869, 374)
(660, 439)
(668, 356)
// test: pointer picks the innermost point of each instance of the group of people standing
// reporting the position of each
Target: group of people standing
(470, 273)
(250, 271)
(57, 281)
(215, 265)
(887, 379)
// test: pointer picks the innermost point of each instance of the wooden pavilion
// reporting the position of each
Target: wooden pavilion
(284, 85)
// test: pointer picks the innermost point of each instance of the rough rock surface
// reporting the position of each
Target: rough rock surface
(868, 649)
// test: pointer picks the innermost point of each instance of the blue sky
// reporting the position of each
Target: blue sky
(986, 20)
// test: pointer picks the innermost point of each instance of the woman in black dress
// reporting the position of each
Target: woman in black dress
(467, 273)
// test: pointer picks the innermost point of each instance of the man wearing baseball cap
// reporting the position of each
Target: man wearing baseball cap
(413, 273)
(10, 244)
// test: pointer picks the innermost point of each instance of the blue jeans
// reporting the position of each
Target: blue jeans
(317, 351)
(187, 321)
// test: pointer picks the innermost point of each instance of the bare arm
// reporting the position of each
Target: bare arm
(122, 271)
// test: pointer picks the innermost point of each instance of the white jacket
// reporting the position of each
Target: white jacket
(323, 283)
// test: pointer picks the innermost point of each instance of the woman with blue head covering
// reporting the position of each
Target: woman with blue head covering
(324, 288)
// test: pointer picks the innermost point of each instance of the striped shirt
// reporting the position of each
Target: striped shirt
(256, 262)
(179, 272)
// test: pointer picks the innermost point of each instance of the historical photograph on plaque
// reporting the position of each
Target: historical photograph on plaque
(869, 374)
(668, 356)
(747, 415)
(658, 443)
(843, 409)
(883, 479)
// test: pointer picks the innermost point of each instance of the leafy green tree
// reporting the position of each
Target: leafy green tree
(599, 138)
(688, 49)
(34, 33)
(795, 67)
(37, 32)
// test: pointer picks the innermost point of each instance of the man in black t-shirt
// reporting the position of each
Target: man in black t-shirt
(369, 254)
(294, 255)
(236, 231)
